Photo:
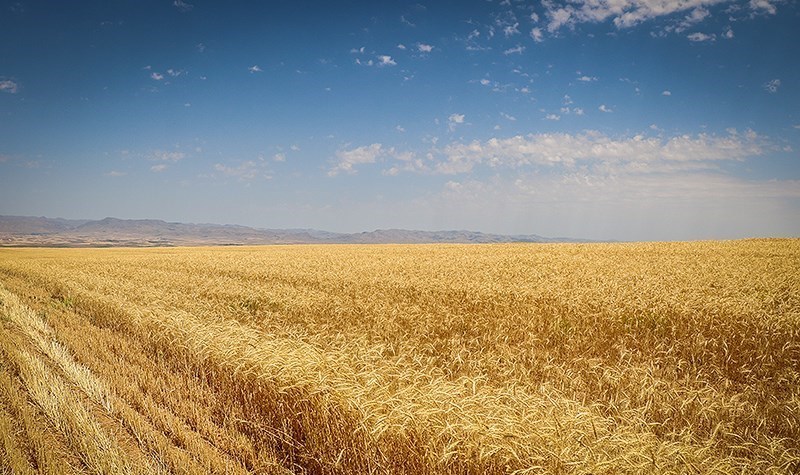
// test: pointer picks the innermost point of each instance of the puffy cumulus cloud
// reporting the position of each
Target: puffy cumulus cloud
(537, 35)
(637, 153)
(423, 48)
(454, 120)
(255, 69)
(347, 160)
(605, 108)
(623, 13)
(9, 86)
(763, 6)
(666, 93)
(156, 76)
(386, 60)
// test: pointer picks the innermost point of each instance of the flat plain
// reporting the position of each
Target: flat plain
(417, 359)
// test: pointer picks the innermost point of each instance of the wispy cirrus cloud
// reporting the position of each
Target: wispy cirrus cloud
(772, 86)
(164, 159)
(183, 6)
(244, 171)
(700, 37)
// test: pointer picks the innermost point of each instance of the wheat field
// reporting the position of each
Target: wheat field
(408, 359)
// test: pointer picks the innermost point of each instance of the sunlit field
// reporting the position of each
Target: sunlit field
(524, 358)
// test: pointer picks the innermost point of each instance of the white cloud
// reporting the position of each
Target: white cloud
(698, 37)
(635, 154)
(485, 82)
(537, 35)
(728, 34)
(772, 86)
(623, 13)
(401, 46)
(163, 156)
(578, 111)
(348, 159)
(115, 173)
(9, 86)
(508, 116)
(423, 48)
(587, 78)
(604, 108)
(358, 50)
(511, 30)
(201, 48)
(158, 168)
(279, 157)
(385, 60)
(534, 17)
(552, 117)
(519, 49)
(294, 148)
(400, 129)
(175, 72)
(456, 118)
(156, 76)
(244, 171)
(182, 6)
(666, 93)
(406, 21)
(255, 69)
(763, 6)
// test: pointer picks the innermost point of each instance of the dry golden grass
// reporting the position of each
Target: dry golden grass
(597, 358)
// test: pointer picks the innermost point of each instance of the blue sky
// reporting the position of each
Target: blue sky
(605, 119)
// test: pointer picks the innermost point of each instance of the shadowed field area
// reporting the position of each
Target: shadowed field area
(508, 358)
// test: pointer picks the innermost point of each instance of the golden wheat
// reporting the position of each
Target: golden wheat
(598, 358)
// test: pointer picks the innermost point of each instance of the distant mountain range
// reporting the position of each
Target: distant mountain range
(112, 232)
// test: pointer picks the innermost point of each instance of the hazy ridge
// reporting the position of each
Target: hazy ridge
(42, 231)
